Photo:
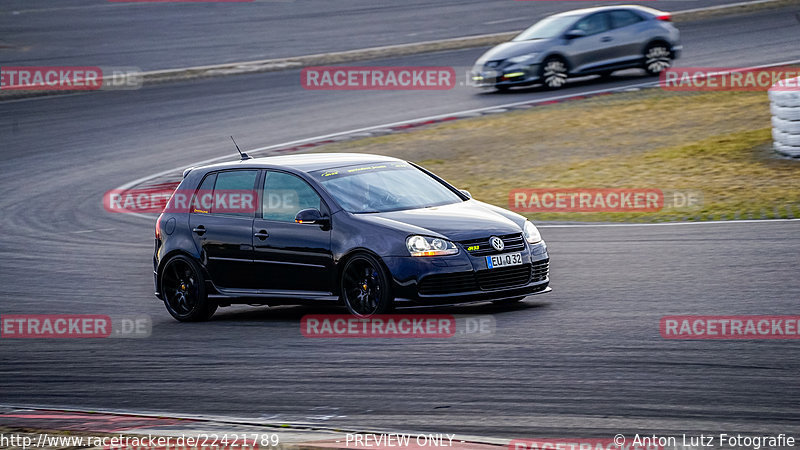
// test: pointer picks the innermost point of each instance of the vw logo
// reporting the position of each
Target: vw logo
(497, 243)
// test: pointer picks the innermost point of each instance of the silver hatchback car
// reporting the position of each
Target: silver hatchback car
(581, 42)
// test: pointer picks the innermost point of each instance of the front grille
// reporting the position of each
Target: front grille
(504, 277)
(481, 247)
(540, 270)
(486, 280)
(448, 283)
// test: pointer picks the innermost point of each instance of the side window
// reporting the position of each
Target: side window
(204, 195)
(623, 18)
(285, 195)
(234, 193)
(596, 23)
(230, 193)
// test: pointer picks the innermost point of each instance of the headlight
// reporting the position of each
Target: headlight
(430, 246)
(531, 233)
(523, 58)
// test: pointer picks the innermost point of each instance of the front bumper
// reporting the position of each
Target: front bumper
(511, 76)
(465, 278)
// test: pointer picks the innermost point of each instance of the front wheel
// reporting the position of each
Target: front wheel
(554, 73)
(365, 286)
(184, 290)
(657, 58)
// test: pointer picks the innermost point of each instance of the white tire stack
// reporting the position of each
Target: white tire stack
(784, 101)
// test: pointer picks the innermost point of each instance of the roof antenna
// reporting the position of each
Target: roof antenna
(244, 156)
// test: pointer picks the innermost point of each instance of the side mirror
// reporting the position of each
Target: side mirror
(311, 216)
(465, 192)
(574, 34)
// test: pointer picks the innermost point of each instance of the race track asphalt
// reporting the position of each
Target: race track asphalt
(585, 358)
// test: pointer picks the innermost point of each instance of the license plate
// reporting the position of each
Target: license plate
(504, 260)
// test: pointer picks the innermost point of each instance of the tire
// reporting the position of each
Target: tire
(786, 126)
(791, 140)
(785, 98)
(184, 289)
(785, 113)
(554, 73)
(787, 150)
(657, 58)
(365, 286)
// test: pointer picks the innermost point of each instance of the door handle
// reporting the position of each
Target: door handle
(262, 234)
(200, 230)
(606, 39)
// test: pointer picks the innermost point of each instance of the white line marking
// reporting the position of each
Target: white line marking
(137, 181)
(514, 19)
(375, 127)
(92, 231)
(728, 5)
(715, 222)
(359, 130)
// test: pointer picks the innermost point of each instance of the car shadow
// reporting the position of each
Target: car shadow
(591, 80)
(295, 313)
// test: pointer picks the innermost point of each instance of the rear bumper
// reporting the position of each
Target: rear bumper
(155, 282)
(676, 51)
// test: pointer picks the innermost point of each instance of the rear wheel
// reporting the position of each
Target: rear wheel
(365, 286)
(184, 290)
(554, 73)
(657, 58)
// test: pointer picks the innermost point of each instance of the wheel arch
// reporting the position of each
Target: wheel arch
(658, 40)
(349, 255)
(561, 56)
(180, 252)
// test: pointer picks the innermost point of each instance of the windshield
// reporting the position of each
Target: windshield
(384, 187)
(546, 28)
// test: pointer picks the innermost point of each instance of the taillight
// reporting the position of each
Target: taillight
(665, 17)
(158, 226)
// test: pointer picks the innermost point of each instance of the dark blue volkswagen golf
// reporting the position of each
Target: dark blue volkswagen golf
(370, 232)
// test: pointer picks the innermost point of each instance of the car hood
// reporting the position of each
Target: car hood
(514, 48)
(457, 221)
